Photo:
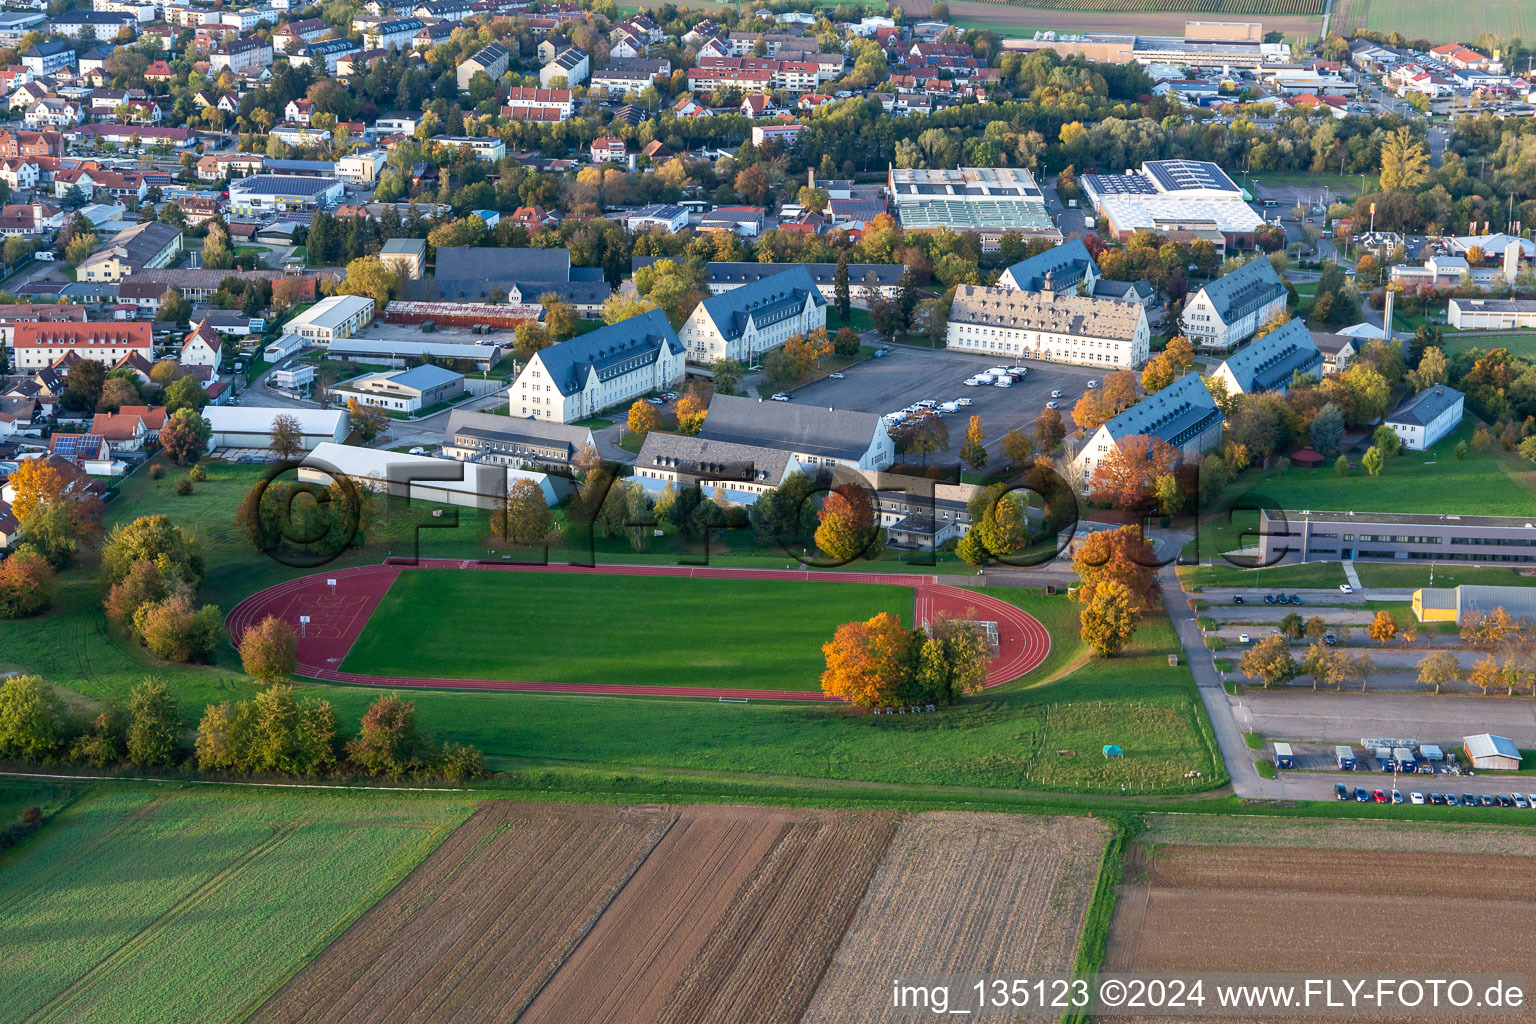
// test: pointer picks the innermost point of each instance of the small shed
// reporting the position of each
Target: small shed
(1492, 753)
(1112, 751)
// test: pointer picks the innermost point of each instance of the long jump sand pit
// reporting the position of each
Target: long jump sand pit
(1327, 898)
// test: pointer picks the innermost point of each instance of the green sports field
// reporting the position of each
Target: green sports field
(169, 907)
(644, 630)
(1439, 21)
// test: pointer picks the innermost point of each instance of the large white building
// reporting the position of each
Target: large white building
(422, 477)
(989, 201)
(745, 322)
(1227, 311)
(1177, 197)
(1491, 314)
(250, 426)
(1272, 362)
(1183, 414)
(1423, 419)
(1059, 326)
(579, 378)
(332, 319)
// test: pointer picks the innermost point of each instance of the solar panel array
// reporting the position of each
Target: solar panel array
(1189, 175)
(72, 446)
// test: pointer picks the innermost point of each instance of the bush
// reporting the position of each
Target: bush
(269, 649)
(26, 585)
(33, 724)
(32, 816)
(184, 486)
(174, 631)
(156, 471)
(198, 473)
(460, 763)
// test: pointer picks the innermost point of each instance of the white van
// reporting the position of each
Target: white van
(1003, 382)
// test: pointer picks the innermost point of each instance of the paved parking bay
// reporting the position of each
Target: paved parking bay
(909, 375)
(1346, 717)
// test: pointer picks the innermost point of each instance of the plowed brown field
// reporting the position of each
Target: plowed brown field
(964, 893)
(1220, 909)
(556, 914)
(480, 925)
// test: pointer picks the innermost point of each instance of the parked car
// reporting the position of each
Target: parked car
(1269, 598)
(1379, 796)
(1397, 796)
(1052, 405)
(1340, 791)
(1504, 801)
(835, 376)
(1237, 598)
(1003, 382)
(781, 397)
(972, 382)
(1295, 599)
(656, 401)
(1345, 588)
(1330, 639)
(1530, 798)
(1361, 796)
(1058, 393)
(44, 255)
(962, 402)
(1092, 384)
(1468, 800)
(1242, 638)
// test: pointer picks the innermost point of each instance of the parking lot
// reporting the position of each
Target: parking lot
(909, 375)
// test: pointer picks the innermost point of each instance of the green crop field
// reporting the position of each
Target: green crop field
(651, 630)
(1439, 21)
(166, 907)
(1192, 6)
(1519, 343)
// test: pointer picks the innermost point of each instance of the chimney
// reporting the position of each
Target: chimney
(1511, 262)
(1386, 313)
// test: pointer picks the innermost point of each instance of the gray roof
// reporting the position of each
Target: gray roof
(792, 426)
(541, 433)
(707, 458)
(405, 247)
(1124, 291)
(1080, 316)
(485, 263)
(356, 346)
(284, 184)
(139, 244)
(1066, 263)
(1423, 408)
(611, 351)
(1246, 289)
(824, 274)
(1332, 344)
(761, 301)
(425, 377)
(1489, 745)
(1177, 414)
(1275, 358)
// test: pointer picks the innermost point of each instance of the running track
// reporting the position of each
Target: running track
(337, 616)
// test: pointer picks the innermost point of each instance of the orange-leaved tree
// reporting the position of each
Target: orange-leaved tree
(1123, 556)
(868, 663)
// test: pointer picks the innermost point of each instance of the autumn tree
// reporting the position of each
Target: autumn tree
(1383, 627)
(1109, 620)
(921, 436)
(269, 650)
(177, 631)
(388, 741)
(185, 435)
(26, 584)
(973, 452)
(690, 411)
(1269, 660)
(1439, 668)
(1049, 429)
(172, 550)
(643, 418)
(1117, 394)
(1017, 447)
(1127, 474)
(848, 526)
(56, 506)
(524, 518)
(868, 662)
(33, 720)
(368, 420)
(1121, 556)
(368, 276)
(1175, 360)
(560, 319)
(287, 437)
(1485, 673)
(1404, 162)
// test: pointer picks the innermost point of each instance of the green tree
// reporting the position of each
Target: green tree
(33, 724)
(1373, 461)
(185, 435)
(154, 727)
(840, 294)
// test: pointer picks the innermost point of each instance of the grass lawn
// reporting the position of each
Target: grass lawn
(166, 906)
(1072, 702)
(1518, 343)
(1390, 576)
(1351, 183)
(594, 423)
(1306, 576)
(1431, 482)
(858, 319)
(762, 634)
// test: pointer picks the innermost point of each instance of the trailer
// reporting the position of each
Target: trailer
(1283, 756)
(1345, 756)
(1405, 761)
(1383, 757)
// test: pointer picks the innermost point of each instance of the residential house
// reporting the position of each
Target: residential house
(1423, 419)
(145, 246)
(567, 70)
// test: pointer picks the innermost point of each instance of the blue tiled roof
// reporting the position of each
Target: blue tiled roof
(1066, 263)
(1246, 289)
(1275, 358)
(612, 351)
(1181, 411)
(762, 302)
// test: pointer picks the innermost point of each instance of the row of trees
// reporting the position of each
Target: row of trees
(272, 732)
(881, 663)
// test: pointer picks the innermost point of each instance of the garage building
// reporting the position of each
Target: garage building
(250, 426)
(1492, 753)
(424, 477)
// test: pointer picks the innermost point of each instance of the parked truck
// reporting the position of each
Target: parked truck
(1405, 760)
(1345, 756)
(1283, 756)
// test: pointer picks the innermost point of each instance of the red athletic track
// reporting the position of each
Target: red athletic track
(337, 618)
